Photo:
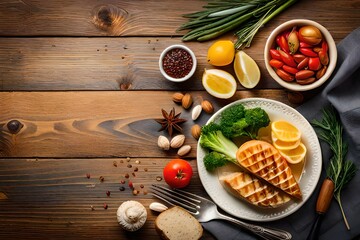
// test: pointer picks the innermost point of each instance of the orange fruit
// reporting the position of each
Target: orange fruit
(219, 83)
(281, 145)
(295, 155)
(285, 131)
(221, 53)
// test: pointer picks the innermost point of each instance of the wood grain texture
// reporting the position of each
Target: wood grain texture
(101, 64)
(149, 18)
(52, 198)
(97, 124)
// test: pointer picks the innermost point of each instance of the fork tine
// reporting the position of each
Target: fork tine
(183, 195)
(196, 197)
(174, 195)
(170, 200)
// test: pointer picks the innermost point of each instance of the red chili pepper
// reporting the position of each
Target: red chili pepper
(304, 74)
(324, 46)
(282, 43)
(308, 52)
(284, 75)
(275, 54)
(304, 63)
(303, 44)
(324, 57)
(314, 64)
(290, 69)
(321, 72)
(276, 63)
(298, 57)
(306, 81)
(287, 59)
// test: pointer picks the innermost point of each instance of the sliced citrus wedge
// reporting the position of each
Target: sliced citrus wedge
(281, 145)
(246, 69)
(285, 131)
(219, 83)
(296, 155)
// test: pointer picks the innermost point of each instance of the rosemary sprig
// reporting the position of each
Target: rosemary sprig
(340, 170)
(219, 17)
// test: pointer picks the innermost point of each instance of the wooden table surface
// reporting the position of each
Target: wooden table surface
(87, 98)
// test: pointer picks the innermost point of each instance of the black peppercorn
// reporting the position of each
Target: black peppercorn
(14, 126)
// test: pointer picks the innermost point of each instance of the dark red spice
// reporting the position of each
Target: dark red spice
(177, 63)
(141, 186)
(105, 206)
(122, 181)
(136, 169)
(131, 185)
(108, 193)
(101, 178)
(129, 166)
(88, 175)
(127, 175)
(133, 174)
(114, 163)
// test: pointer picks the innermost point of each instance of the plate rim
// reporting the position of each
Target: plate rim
(295, 205)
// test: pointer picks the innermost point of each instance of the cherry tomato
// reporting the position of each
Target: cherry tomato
(324, 46)
(276, 63)
(321, 72)
(324, 58)
(282, 43)
(308, 52)
(304, 63)
(275, 54)
(287, 59)
(284, 75)
(304, 74)
(177, 173)
(314, 64)
(298, 57)
(290, 69)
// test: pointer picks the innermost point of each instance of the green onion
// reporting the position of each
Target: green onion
(219, 17)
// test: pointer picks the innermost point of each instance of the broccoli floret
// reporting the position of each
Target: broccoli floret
(239, 121)
(213, 139)
(256, 119)
(214, 160)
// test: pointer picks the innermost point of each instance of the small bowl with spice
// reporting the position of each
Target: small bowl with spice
(177, 63)
(300, 54)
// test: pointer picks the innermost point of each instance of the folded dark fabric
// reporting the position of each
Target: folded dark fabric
(343, 92)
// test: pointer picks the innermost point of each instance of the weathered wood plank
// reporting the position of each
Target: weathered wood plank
(100, 64)
(52, 198)
(97, 124)
(148, 18)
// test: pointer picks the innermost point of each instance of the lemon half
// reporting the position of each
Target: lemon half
(219, 83)
(246, 70)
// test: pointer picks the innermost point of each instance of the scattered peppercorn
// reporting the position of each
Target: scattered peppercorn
(122, 181)
(88, 175)
(127, 175)
(141, 185)
(133, 174)
(121, 188)
(121, 161)
(108, 193)
(114, 163)
(158, 178)
(128, 159)
(92, 208)
(105, 206)
(129, 166)
(136, 169)
(137, 161)
(135, 192)
(131, 185)
(101, 178)
(145, 192)
(145, 169)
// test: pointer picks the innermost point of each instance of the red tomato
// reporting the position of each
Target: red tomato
(178, 173)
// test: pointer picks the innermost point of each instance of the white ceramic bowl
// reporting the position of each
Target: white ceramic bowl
(288, 26)
(172, 78)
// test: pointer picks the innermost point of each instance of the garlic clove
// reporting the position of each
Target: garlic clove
(163, 143)
(196, 112)
(158, 207)
(177, 141)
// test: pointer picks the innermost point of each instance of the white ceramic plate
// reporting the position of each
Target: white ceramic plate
(309, 179)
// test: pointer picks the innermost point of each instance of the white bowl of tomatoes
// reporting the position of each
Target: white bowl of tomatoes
(300, 54)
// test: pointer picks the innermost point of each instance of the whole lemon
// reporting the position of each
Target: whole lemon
(221, 53)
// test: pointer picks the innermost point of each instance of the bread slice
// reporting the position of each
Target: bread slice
(264, 160)
(177, 224)
(253, 190)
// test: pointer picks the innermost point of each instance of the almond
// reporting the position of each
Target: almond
(177, 97)
(184, 150)
(187, 101)
(177, 141)
(196, 131)
(207, 106)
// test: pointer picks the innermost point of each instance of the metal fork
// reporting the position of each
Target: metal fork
(205, 210)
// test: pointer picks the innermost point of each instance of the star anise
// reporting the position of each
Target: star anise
(170, 121)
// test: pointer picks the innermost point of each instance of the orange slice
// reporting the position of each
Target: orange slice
(296, 155)
(282, 145)
(285, 131)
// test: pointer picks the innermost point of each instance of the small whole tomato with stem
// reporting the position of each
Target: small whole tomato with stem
(177, 173)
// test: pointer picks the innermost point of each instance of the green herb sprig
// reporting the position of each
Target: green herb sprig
(340, 170)
(219, 17)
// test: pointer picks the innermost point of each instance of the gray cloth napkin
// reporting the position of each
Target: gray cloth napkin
(343, 92)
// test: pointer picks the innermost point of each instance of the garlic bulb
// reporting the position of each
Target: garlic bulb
(131, 215)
